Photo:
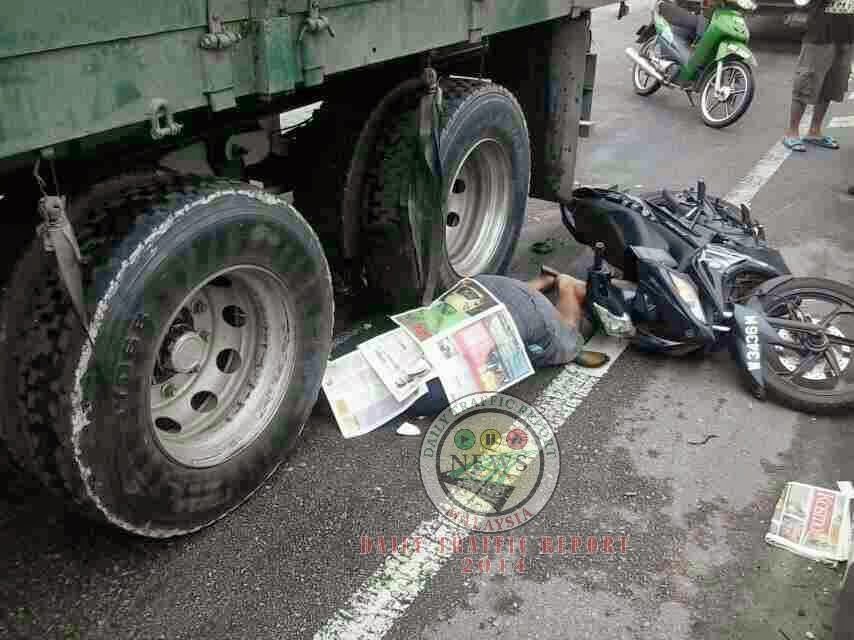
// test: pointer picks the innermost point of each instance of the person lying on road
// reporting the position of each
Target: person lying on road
(551, 332)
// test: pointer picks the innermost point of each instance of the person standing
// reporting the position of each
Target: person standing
(823, 69)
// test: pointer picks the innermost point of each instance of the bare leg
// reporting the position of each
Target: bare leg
(796, 115)
(570, 305)
(541, 283)
(819, 111)
(570, 298)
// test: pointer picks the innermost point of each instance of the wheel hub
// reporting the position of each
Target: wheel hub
(224, 364)
(187, 352)
(724, 94)
(792, 361)
(480, 206)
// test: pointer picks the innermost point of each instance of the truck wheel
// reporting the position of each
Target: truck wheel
(486, 159)
(210, 325)
(34, 277)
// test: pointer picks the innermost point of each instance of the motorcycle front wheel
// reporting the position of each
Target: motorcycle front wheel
(818, 376)
(645, 84)
(722, 108)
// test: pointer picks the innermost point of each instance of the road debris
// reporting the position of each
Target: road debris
(408, 429)
(705, 440)
(813, 522)
(810, 635)
(543, 247)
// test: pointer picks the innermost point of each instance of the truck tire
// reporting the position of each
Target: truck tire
(210, 325)
(485, 156)
(33, 275)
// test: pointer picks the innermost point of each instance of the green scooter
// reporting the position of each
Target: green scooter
(709, 58)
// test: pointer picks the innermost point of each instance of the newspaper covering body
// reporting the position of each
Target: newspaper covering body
(466, 338)
(360, 400)
(398, 361)
(812, 522)
(484, 355)
(470, 339)
(459, 306)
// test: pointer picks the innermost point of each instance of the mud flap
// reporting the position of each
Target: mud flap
(428, 189)
(752, 335)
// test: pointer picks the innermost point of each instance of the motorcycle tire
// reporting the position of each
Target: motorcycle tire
(652, 85)
(707, 87)
(799, 397)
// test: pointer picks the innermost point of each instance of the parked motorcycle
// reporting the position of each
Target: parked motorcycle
(709, 58)
(697, 274)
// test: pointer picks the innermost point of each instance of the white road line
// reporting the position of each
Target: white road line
(841, 122)
(764, 170)
(393, 587)
(749, 185)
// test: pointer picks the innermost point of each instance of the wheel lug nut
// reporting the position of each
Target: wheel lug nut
(168, 390)
(199, 307)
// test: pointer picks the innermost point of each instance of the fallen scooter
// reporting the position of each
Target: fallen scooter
(697, 274)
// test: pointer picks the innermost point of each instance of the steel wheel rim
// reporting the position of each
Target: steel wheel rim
(479, 207)
(818, 378)
(639, 72)
(222, 367)
(710, 103)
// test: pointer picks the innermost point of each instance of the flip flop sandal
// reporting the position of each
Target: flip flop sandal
(795, 144)
(826, 142)
(592, 359)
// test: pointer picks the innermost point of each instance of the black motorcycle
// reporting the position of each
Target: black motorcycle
(696, 273)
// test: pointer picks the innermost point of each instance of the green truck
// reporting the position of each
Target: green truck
(175, 246)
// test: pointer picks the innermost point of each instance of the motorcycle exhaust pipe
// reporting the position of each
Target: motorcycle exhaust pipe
(644, 64)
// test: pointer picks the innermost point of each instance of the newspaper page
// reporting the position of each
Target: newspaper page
(812, 522)
(484, 355)
(398, 361)
(467, 300)
(360, 401)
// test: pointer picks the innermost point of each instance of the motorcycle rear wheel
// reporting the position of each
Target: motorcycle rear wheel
(645, 84)
(814, 386)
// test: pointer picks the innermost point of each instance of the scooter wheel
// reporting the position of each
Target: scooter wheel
(813, 382)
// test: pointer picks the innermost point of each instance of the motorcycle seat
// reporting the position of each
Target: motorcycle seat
(686, 24)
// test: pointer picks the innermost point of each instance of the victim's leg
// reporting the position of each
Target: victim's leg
(570, 298)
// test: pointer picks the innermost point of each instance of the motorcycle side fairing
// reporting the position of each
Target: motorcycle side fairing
(726, 26)
(729, 48)
(754, 334)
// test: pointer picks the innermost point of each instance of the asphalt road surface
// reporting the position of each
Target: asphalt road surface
(694, 564)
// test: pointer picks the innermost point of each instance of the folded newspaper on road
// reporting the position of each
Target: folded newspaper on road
(813, 522)
(466, 338)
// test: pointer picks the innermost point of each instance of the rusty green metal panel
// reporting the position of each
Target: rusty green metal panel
(77, 67)
(41, 25)
(277, 66)
(68, 93)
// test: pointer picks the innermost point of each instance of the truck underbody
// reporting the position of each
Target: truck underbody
(163, 354)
